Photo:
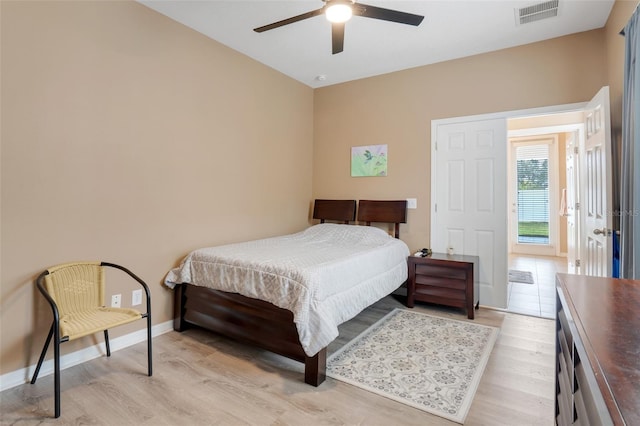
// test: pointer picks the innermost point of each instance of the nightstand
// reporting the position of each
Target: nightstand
(450, 280)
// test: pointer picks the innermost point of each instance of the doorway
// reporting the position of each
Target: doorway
(469, 186)
(541, 195)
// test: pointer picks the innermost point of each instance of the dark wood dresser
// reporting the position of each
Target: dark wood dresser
(450, 280)
(598, 351)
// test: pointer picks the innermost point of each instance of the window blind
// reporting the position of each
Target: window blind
(532, 163)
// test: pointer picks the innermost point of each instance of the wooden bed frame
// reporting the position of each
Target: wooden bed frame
(261, 323)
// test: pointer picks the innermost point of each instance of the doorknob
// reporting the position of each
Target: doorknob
(603, 231)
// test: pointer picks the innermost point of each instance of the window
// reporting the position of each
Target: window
(532, 171)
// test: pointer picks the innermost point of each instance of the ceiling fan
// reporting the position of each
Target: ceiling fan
(340, 11)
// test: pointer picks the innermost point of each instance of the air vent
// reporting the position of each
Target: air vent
(537, 12)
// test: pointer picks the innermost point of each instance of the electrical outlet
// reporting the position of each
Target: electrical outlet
(116, 300)
(136, 297)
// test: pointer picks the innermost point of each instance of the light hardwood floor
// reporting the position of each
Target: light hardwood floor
(203, 379)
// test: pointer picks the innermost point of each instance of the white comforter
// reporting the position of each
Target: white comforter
(325, 274)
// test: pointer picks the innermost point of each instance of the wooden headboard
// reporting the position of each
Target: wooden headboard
(383, 211)
(338, 210)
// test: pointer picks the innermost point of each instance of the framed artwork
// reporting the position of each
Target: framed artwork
(370, 160)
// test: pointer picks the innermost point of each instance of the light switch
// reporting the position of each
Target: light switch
(412, 203)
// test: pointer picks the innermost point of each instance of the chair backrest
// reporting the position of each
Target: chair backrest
(76, 287)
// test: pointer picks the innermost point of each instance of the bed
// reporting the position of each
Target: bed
(288, 294)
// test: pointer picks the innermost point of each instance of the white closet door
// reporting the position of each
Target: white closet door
(469, 199)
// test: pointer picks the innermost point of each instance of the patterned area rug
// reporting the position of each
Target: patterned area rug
(516, 276)
(430, 363)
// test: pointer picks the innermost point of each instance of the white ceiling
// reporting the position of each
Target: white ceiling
(302, 50)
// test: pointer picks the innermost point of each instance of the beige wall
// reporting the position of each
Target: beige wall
(129, 138)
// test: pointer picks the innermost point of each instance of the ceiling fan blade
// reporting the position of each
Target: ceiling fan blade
(290, 20)
(337, 37)
(387, 14)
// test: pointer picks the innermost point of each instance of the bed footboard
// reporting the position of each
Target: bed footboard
(248, 320)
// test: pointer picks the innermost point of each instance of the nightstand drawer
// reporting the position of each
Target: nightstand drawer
(441, 271)
(438, 281)
(441, 292)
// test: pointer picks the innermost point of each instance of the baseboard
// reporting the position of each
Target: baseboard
(19, 377)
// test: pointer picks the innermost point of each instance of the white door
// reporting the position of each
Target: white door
(533, 194)
(469, 205)
(571, 200)
(596, 246)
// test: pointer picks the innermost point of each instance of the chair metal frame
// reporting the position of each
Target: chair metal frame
(54, 331)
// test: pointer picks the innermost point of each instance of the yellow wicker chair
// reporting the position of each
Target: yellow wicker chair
(76, 293)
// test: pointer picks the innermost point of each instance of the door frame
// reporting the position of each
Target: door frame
(499, 300)
(573, 199)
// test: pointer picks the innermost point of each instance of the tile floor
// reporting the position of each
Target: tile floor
(537, 299)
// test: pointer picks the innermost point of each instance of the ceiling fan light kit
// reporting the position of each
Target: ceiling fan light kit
(340, 11)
